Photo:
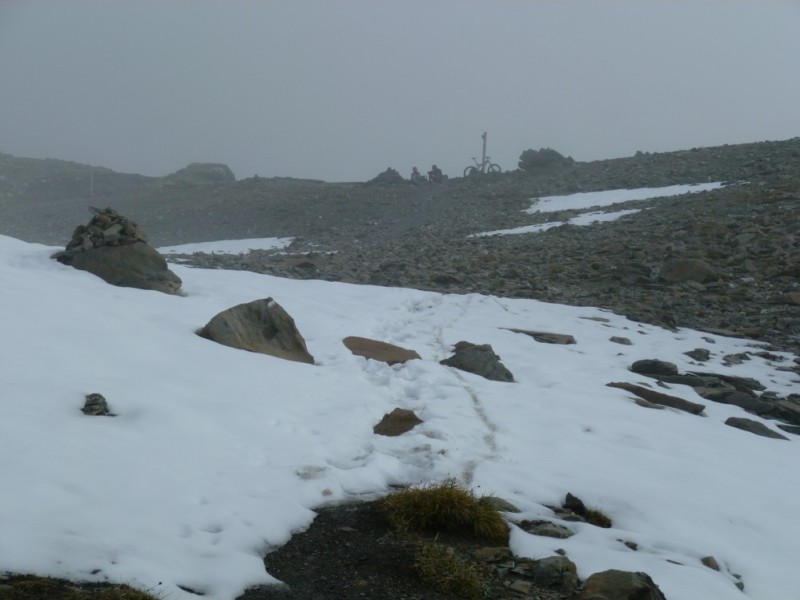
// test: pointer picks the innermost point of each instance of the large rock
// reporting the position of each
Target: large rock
(659, 398)
(376, 350)
(136, 265)
(113, 247)
(260, 326)
(654, 367)
(397, 422)
(755, 427)
(556, 573)
(619, 585)
(479, 359)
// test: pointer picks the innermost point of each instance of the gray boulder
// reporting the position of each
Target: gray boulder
(113, 247)
(96, 405)
(619, 585)
(136, 265)
(654, 367)
(556, 573)
(478, 359)
(658, 398)
(260, 326)
(755, 427)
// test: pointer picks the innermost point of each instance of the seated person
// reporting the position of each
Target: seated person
(435, 174)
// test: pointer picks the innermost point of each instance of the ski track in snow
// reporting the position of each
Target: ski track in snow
(417, 394)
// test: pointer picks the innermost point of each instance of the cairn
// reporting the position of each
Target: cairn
(107, 228)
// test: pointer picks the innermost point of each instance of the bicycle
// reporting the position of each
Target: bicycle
(485, 166)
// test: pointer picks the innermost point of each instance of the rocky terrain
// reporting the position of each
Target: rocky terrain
(725, 260)
(743, 239)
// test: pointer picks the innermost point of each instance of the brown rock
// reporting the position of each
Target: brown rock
(397, 422)
(382, 351)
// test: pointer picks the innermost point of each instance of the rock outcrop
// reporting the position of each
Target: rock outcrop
(534, 160)
(201, 174)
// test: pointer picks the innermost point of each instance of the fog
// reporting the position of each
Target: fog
(342, 89)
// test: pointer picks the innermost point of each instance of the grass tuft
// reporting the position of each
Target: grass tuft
(440, 568)
(31, 587)
(595, 517)
(445, 507)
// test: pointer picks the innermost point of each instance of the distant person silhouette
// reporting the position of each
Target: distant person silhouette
(416, 177)
(435, 175)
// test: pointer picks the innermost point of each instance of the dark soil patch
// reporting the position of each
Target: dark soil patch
(348, 553)
(33, 587)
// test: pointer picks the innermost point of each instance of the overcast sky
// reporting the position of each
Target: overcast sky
(342, 89)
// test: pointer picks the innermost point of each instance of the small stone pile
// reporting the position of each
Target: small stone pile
(107, 228)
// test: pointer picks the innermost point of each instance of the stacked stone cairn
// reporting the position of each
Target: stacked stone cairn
(116, 250)
(107, 228)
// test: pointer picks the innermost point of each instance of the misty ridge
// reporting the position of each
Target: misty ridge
(212, 190)
(387, 231)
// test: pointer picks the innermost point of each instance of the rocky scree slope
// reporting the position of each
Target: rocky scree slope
(746, 235)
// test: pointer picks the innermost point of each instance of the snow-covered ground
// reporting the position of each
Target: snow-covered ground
(217, 455)
(229, 246)
(587, 200)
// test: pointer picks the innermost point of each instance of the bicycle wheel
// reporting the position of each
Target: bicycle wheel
(470, 171)
(493, 168)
